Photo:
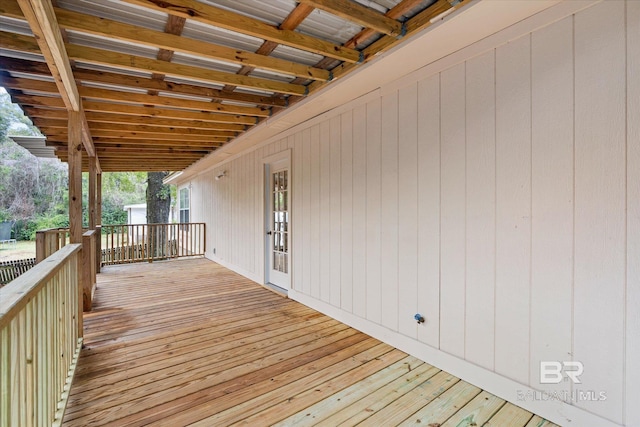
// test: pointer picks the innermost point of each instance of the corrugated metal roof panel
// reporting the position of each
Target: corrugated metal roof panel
(113, 87)
(108, 69)
(190, 82)
(272, 12)
(32, 76)
(112, 44)
(266, 74)
(208, 33)
(35, 144)
(254, 91)
(328, 27)
(21, 55)
(183, 96)
(17, 26)
(296, 55)
(209, 64)
(118, 11)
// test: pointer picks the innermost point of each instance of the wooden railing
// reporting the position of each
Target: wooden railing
(49, 241)
(89, 264)
(149, 242)
(40, 340)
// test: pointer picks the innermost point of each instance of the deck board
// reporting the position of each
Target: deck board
(189, 342)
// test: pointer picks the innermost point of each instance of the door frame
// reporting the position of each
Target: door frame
(282, 156)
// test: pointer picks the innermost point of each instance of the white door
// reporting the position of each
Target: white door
(278, 236)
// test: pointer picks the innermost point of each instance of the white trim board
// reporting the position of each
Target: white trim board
(556, 411)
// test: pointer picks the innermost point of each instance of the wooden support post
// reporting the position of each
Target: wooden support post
(75, 176)
(93, 176)
(98, 222)
(88, 269)
(41, 249)
(75, 199)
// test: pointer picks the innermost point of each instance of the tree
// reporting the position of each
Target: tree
(158, 205)
(158, 198)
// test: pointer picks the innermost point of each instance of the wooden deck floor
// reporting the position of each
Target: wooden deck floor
(190, 342)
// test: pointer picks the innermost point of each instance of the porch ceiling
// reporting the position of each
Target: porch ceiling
(164, 83)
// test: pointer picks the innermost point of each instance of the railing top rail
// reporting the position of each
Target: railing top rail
(159, 223)
(54, 230)
(19, 292)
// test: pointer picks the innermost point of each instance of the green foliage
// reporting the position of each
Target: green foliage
(4, 215)
(34, 192)
(26, 229)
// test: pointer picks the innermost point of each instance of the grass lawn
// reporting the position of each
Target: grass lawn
(21, 250)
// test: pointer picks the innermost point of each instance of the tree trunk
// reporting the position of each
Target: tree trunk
(158, 198)
(158, 205)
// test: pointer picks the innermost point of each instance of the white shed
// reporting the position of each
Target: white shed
(136, 214)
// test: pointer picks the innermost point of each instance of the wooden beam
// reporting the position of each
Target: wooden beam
(19, 42)
(43, 23)
(140, 111)
(148, 142)
(139, 63)
(396, 12)
(28, 84)
(139, 128)
(52, 132)
(121, 165)
(144, 146)
(192, 9)
(42, 20)
(150, 156)
(58, 118)
(40, 69)
(423, 19)
(138, 98)
(146, 150)
(53, 102)
(355, 12)
(39, 101)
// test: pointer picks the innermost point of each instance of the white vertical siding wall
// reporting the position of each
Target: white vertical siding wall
(498, 196)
